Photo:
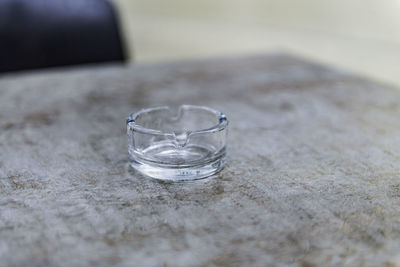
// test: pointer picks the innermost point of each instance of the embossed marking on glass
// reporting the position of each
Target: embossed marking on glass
(186, 144)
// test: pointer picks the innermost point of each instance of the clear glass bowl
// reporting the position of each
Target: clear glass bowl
(186, 144)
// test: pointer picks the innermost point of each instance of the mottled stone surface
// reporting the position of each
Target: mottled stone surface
(313, 174)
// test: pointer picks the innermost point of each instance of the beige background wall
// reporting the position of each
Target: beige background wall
(359, 35)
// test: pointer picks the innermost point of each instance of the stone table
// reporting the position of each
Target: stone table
(313, 174)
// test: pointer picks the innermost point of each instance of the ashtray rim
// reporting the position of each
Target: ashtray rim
(220, 126)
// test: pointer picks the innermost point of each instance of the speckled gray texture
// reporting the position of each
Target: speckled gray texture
(313, 172)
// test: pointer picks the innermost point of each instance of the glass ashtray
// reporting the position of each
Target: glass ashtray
(184, 144)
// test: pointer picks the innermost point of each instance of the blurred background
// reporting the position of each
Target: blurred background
(362, 36)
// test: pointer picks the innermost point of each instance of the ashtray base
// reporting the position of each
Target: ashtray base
(174, 173)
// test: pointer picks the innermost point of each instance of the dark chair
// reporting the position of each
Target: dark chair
(46, 33)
